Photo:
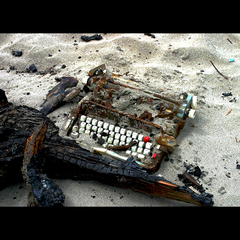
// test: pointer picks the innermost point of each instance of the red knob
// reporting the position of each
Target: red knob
(146, 139)
(154, 155)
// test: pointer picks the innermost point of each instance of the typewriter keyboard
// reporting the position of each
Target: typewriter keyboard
(113, 135)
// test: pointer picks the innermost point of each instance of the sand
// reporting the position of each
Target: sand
(179, 62)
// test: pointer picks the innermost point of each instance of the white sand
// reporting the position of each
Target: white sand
(171, 61)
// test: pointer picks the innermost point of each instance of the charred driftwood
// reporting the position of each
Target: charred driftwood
(58, 94)
(43, 152)
(42, 190)
(64, 158)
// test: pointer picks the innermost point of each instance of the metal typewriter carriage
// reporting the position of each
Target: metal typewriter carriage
(129, 120)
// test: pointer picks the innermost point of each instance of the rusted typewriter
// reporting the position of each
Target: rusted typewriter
(126, 119)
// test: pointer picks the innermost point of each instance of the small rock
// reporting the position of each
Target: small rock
(32, 68)
(17, 53)
(63, 66)
(222, 190)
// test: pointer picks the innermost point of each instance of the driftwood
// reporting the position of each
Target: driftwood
(58, 157)
(58, 94)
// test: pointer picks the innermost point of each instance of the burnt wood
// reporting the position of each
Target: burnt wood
(64, 158)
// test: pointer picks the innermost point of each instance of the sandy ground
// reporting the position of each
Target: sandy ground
(180, 62)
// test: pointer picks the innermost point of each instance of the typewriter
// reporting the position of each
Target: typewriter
(125, 119)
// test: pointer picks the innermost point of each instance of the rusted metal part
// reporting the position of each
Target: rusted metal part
(145, 115)
(168, 141)
(123, 114)
(123, 147)
(58, 94)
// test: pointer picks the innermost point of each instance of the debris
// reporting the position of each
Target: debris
(236, 139)
(150, 34)
(229, 111)
(233, 100)
(229, 40)
(90, 38)
(218, 71)
(231, 60)
(197, 171)
(17, 53)
(58, 94)
(226, 94)
(31, 68)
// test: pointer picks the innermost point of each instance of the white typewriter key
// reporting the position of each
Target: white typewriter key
(94, 122)
(105, 145)
(94, 128)
(74, 134)
(128, 152)
(134, 135)
(141, 156)
(75, 128)
(104, 138)
(100, 124)
(129, 133)
(89, 126)
(140, 137)
(83, 118)
(83, 124)
(117, 129)
(116, 142)
(87, 131)
(110, 140)
(146, 151)
(81, 130)
(117, 136)
(111, 127)
(122, 143)
(105, 131)
(105, 125)
(122, 131)
(134, 148)
(148, 145)
(123, 138)
(141, 144)
(89, 120)
(100, 130)
(129, 140)
(99, 135)
(111, 134)
(140, 150)
(134, 154)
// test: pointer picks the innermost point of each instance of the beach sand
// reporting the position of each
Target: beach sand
(178, 62)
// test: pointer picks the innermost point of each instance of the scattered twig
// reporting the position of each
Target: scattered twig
(217, 70)
(236, 139)
(229, 111)
(229, 40)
